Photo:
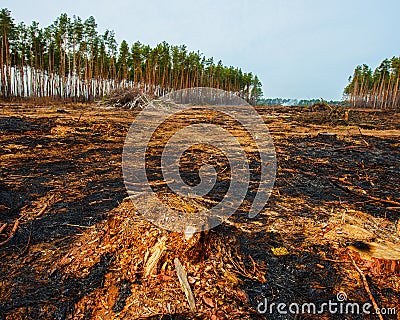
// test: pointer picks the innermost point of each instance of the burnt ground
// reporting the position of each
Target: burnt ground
(78, 248)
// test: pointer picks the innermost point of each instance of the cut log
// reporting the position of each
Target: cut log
(378, 257)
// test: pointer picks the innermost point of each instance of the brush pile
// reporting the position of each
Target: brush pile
(127, 98)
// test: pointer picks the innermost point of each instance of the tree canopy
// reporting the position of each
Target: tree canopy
(69, 59)
(376, 89)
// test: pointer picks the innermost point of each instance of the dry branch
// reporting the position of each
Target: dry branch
(182, 276)
(127, 98)
(333, 180)
(366, 286)
(13, 230)
(3, 227)
(44, 207)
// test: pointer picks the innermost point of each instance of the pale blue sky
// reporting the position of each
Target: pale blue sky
(299, 49)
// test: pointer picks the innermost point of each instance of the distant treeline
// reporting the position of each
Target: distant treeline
(295, 102)
(69, 59)
(375, 89)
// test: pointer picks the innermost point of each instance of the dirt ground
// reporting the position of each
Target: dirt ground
(74, 247)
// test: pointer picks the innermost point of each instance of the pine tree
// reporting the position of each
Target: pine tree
(70, 60)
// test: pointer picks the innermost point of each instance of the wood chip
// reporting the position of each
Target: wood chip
(158, 251)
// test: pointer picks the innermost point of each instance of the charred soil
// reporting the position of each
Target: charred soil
(74, 247)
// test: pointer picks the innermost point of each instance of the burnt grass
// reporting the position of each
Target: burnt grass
(69, 159)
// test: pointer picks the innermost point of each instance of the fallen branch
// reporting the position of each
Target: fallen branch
(16, 223)
(393, 208)
(333, 180)
(42, 210)
(44, 207)
(13, 230)
(3, 227)
(349, 148)
(362, 139)
(366, 286)
(311, 174)
(182, 276)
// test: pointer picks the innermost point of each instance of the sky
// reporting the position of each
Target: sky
(299, 49)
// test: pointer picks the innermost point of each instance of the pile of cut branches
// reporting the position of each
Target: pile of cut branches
(324, 113)
(127, 98)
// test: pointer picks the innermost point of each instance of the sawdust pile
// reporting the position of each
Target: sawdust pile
(141, 280)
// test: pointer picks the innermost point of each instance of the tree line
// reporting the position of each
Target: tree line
(70, 60)
(375, 89)
(295, 102)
